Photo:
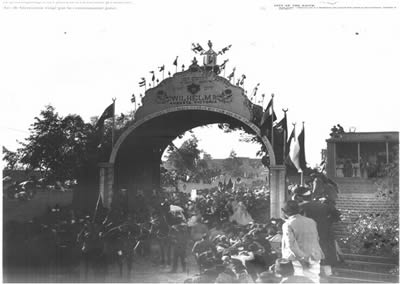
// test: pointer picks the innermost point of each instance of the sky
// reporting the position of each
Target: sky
(327, 66)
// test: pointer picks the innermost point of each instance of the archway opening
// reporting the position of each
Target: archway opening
(137, 154)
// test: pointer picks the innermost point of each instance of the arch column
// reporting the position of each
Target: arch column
(106, 182)
(277, 190)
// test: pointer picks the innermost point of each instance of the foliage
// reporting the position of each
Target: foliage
(387, 182)
(67, 148)
(185, 158)
(11, 158)
(56, 146)
(168, 178)
(374, 234)
(232, 165)
(187, 165)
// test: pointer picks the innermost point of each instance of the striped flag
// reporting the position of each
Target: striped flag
(294, 153)
(297, 152)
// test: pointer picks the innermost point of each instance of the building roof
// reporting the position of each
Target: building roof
(389, 136)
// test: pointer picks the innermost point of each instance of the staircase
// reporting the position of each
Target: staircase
(365, 269)
(355, 185)
(357, 197)
(359, 204)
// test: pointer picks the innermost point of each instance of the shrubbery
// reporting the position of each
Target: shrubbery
(374, 234)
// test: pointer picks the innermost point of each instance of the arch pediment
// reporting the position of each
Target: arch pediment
(196, 87)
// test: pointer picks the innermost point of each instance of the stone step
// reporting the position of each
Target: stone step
(338, 279)
(371, 258)
(367, 266)
(367, 275)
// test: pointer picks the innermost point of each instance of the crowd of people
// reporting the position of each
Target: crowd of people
(219, 227)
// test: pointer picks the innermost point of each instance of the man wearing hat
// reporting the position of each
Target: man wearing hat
(300, 242)
(283, 269)
(203, 250)
(322, 214)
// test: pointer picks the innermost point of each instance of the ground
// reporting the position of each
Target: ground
(144, 271)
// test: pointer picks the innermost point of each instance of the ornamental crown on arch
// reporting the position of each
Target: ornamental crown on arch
(210, 56)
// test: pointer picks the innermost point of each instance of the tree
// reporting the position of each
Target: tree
(185, 158)
(56, 146)
(232, 165)
(11, 158)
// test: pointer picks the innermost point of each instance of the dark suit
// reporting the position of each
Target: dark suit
(320, 213)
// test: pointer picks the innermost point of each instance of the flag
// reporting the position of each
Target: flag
(153, 77)
(255, 90)
(302, 154)
(288, 161)
(142, 83)
(223, 65)
(232, 74)
(280, 144)
(225, 49)
(267, 119)
(291, 137)
(197, 48)
(176, 61)
(108, 113)
(242, 80)
(294, 153)
(133, 99)
(161, 68)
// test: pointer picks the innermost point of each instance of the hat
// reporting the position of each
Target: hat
(302, 191)
(253, 247)
(283, 267)
(291, 208)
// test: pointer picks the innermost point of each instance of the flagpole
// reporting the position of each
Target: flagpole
(113, 126)
(302, 174)
(272, 121)
(284, 136)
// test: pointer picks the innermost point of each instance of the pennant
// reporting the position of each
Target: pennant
(176, 61)
(161, 68)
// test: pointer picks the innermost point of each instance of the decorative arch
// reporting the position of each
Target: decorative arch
(149, 117)
(170, 107)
